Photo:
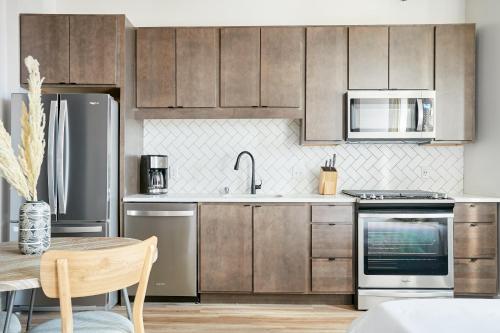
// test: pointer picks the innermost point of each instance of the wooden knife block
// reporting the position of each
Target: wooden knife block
(327, 182)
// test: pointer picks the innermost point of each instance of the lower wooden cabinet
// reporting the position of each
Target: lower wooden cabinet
(281, 249)
(475, 248)
(331, 240)
(332, 276)
(475, 276)
(225, 248)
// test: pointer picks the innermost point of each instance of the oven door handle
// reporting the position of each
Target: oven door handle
(406, 216)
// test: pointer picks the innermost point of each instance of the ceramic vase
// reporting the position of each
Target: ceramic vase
(34, 227)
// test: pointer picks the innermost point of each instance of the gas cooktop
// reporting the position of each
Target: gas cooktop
(395, 194)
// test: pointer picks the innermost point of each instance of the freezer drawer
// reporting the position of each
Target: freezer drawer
(175, 271)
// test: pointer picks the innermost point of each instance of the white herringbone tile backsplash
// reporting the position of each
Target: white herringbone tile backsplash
(202, 154)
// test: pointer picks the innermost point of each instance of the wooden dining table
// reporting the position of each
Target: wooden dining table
(22, 272)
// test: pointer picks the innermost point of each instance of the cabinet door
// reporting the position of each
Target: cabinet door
(368, 57)
(475, 276)
(156, 67)
(240, 67)
(332, 276)
(225, 248)
(455, 82)
(282, 62)
(411, 61)
(93, 49)
(46, 38)
(326, 83)
(281, 249)
(197, 65)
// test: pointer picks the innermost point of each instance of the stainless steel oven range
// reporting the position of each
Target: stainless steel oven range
(405, 246)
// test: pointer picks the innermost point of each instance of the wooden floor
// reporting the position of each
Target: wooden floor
(225, 318)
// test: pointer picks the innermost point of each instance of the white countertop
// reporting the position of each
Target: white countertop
(463, 197)
(257, 198)
(263, 198)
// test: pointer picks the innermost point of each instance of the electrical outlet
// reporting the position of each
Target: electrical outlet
(425, 172)
(297, 172)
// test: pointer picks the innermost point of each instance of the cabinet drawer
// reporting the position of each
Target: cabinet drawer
(475, 276)
(475, 240)
(475, 212)
(332, 276)
(332, 240)
(332, 214)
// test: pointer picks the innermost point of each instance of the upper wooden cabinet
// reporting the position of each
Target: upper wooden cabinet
(326, 83)
(197, 53)
(411, 60)
(240, 67)
(46, 38)
(156, 67)
(73, 49)
(226, 248)
(282, 67)
(93, 49)
(368, 57)
(281, 249)
(455, 82)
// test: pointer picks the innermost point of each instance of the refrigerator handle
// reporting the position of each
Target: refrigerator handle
(50, 157)
(62, 157)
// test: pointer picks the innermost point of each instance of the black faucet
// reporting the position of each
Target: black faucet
(253, 188)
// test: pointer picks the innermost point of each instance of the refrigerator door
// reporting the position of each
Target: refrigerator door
(46, 182)
(82, 163)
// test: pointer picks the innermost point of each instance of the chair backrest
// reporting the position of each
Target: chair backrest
(67, 274)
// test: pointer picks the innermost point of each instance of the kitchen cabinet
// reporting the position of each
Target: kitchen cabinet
(332, 240)
(455, 82)
(73, 49)
(156, 67)
(281, 249)
(46, 38)
(282, 67)
(93, 51)
(226, 248)
(411, 60)
(368, 57)
(240, 67)
(475, 248)
(197, 54)
(326, 83)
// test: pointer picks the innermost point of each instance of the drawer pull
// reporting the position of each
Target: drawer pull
(473, 224)
(473, 259)
(331, 224)
(472, 205)
(331, 259)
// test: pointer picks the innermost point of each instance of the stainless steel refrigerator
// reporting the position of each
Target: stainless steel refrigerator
(79, 174)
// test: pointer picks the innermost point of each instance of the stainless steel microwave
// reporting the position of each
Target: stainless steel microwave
(391, 115)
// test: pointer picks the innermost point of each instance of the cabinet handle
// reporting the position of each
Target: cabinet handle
(257, 206)
(247, 205)
(331, 259)
(332, 224)
(473, 260)
(473, 224)
(472, 205)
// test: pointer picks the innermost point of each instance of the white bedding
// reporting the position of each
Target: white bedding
(431, 316)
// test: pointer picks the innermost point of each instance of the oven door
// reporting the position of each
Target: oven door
(405, 250)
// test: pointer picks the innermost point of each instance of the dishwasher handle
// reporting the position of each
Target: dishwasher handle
(160, 213)
(76, 230)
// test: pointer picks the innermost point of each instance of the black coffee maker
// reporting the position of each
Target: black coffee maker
(154, 174)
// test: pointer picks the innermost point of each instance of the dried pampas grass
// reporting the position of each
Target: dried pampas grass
(22, 173)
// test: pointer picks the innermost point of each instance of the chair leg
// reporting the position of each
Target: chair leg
(127, 303)
(10, 306)
(30, 310)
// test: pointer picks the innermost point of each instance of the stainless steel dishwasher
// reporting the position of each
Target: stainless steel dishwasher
(175, 271)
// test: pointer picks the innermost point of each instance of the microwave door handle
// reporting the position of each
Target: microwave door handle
(50, 157)
(420, 115)
(62, 158)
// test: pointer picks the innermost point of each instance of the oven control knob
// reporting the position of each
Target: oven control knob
(435, 195)
(445, 196)
(373, 196)
(363, 196)
(380, 197)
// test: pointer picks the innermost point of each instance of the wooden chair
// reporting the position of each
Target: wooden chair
(68, 274)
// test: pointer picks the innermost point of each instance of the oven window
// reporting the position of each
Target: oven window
(394, 246)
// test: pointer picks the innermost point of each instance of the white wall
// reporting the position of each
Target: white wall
(482, 159)
(3, 99)
(272, 12)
